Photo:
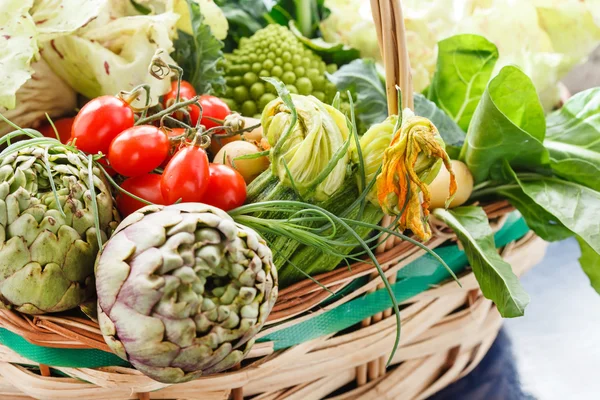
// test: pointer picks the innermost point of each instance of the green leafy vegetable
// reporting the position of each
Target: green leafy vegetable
(495, 276)
(576, 206)
(307, 13)
(244, 17)
(464, 67)
(363, 81)
(336, 53)
(545, 38)
(361, 78)
(573, 139)
(507, 124)
(590, 263)
(544, 224)
(199, 54)
(453, 136)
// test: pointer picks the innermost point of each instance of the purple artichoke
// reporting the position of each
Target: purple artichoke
(183, 290)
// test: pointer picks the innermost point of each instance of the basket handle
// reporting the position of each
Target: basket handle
(391, 35)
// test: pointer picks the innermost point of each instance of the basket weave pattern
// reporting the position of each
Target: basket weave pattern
(446, 330)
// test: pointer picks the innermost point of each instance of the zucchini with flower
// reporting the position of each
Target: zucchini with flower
(411, 162)
(315, 158)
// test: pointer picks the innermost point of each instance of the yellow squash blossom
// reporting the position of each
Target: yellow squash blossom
(412, 160)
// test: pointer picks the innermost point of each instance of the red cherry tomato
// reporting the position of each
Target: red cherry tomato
(186, 92)
(99, 122)
(186, 176)
(138, 150)
(63, 126)
(226, 188)
(213, 107)
(145, 186)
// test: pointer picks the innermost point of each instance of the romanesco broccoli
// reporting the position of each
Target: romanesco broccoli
(273, 51)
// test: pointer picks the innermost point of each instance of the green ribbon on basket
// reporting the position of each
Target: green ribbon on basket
(413, 279)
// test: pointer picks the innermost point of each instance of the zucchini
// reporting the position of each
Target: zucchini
(313, 262)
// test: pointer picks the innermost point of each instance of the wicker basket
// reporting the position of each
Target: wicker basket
(314, 345)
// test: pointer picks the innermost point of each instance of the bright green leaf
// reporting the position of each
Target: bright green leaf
(362, 79)
(576, 206)
(544, 224)
(573, 139)
(508, 124)
(495, 276)
(590, 263)
(453, 136)
(336, 53)
(464, 67)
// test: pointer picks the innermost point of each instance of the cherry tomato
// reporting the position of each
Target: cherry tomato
(186, 92)
(145, 186)
(226, 188)
(213, 107)
(138, 150)
(99, 122)
(186, 176)
(63, 126)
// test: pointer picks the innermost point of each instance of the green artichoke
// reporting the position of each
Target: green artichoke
(47, 256)
(182, 290)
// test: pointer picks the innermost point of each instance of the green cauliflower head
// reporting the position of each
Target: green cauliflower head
(47, 257)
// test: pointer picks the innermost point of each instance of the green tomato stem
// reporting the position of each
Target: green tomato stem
(119, 188)
(490, 191)
(168, 111)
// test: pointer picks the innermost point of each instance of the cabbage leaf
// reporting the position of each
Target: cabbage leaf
(18, 48)
(108, 56)
(24, 23)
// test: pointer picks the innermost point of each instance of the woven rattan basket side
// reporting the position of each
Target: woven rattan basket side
(446, 329)
(446, 332)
